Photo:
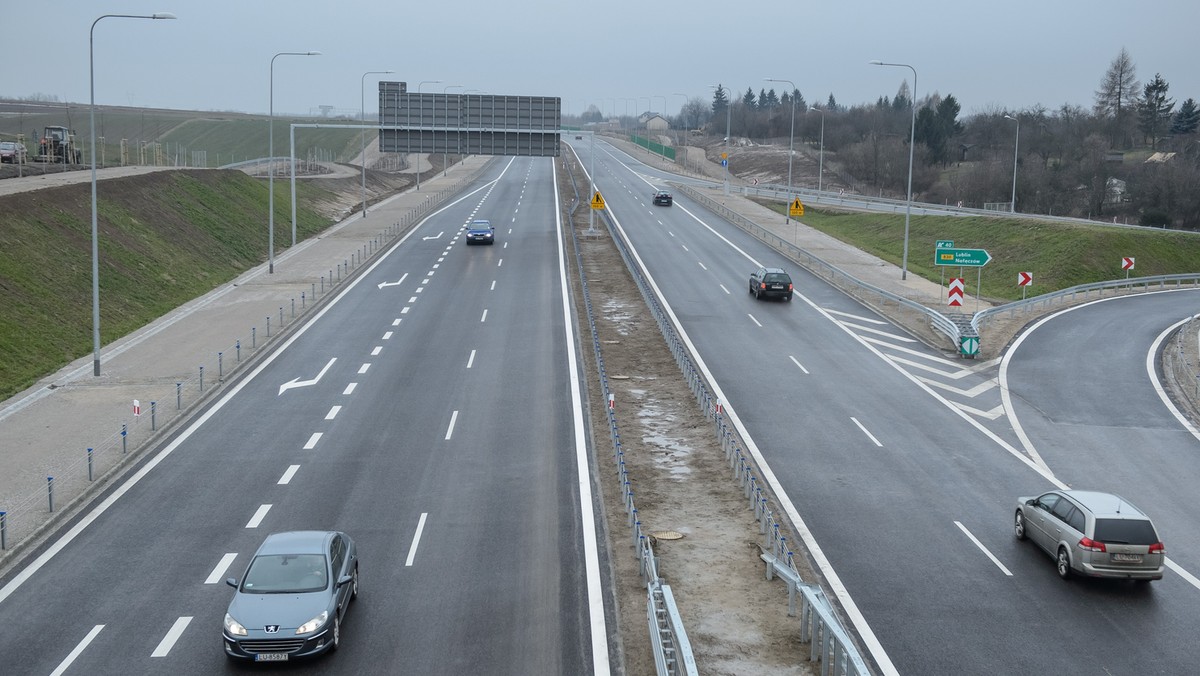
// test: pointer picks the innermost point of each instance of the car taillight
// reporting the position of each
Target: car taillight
(762, 285)
(1091, 545)
(1158, 548)
(789, 287)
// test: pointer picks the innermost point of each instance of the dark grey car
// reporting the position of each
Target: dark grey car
(293, 597)
(771, 283)
(1092, 533)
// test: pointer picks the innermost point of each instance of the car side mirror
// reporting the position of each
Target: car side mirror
(345, 579)
(231, 582)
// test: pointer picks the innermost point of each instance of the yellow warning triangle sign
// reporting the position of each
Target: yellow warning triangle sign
(597, 201)
(797, 209)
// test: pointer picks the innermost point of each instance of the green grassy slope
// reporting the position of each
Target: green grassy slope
(1059, 255)
(165, 239)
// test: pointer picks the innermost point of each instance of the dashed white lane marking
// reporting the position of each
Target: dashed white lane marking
(505, 246)
(450, 429)
(333, 412)
(312, 441)
(412, 550)
(378, 348)
(223, 565)
(287, 475)
(670, 233)
(797, 363)
(173, 634)
(493, 285)
(258, 516)
(471, 359)
(754, 320)
(404, 310)
(983, 549)
(484, 317)
(500, 262)
(413, 299)
(701, 265)
(866, 432)
(62, 666)
(723, 288)
(363, 369)
(396, 321)
(387, 335)
(441, 259)
(350, 388)
(685, 247)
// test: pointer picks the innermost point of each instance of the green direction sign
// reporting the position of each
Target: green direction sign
(967, 258)
(969, 347)
(944, 244)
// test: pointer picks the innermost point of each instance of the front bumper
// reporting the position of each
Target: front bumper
(260, 642)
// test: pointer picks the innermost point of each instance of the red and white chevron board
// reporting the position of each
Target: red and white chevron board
(1024, 278)
(1127, 263)
(958, 287)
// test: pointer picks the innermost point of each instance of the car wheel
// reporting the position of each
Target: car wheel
(1063, 563)
(750, 288)
(1019, 526)
(788, 298)
(354, 583)
(337, 632)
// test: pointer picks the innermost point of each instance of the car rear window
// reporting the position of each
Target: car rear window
(777, 277)
(1125, 531)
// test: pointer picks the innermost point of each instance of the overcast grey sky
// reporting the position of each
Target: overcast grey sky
(216, 55)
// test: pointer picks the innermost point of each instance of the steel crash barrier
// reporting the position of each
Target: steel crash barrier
(831, 645)
(668, 638)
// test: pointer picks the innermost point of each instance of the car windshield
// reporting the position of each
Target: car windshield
(286, 574)
(1125, 531)
(777, 277)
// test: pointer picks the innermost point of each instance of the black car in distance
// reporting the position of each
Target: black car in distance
(771, 283)
(662, 198)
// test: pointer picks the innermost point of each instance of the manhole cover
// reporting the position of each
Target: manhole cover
(667, 535)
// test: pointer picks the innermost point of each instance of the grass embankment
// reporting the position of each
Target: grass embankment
(1059, 255)
(165, 239)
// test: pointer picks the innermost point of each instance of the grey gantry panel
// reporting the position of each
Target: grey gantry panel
(467, 124)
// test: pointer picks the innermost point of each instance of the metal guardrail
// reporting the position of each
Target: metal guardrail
(672, 651)
(746, 473)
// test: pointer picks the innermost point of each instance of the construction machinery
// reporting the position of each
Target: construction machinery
(58, 145)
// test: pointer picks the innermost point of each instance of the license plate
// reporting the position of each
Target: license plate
(271, 657)
(776, 286)
(1128, 558)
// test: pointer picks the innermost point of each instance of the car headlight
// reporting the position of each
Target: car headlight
(313, 624)
(233, 626)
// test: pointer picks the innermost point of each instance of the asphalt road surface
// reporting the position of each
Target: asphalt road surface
(909, 496)
(432, 411)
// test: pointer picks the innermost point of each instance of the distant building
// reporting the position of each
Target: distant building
(657, 123)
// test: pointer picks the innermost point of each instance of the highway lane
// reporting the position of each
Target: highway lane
(896, 485)
(417, 440)
(1091, 409)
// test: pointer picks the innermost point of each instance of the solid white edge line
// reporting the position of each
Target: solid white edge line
(591, 557)
(866, 432)
(62, 666)
(982, 548)
(450, 429)
(61, 543)
(753, 319)
(259, 514)
(797, 363)
(288, 475)
(223, 565)
(312, 441)
(173, 634)
(412, 549)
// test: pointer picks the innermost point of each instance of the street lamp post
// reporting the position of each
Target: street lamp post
(271, 162)
(421, 135)
(1012, 209)
(95, 224)
(911, 145)
(791, 141)
(445, 157)
(363, 132)
(683, 123)
(821, 161)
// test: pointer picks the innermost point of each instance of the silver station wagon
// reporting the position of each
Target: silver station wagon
(1091, 533)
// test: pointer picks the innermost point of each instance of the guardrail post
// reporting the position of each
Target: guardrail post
(220, 366)
(281, 316)
(89, 458)
(253, 337)
(178, 396)
(3, 530)
(50, 491)
(201, 378)
(268, 326)
(323, 283)
(124, 438)
(294, 305)
(237, 344)
(153, 410)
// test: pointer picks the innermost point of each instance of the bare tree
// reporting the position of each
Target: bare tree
(1117, 95)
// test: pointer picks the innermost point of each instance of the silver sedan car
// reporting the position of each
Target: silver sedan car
(292, 599)
(1092, 533)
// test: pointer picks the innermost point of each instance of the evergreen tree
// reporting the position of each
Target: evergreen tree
(748, 98)
(831, 105)
(769, 100)
(799, 98)
(720, 101)
(1187, 119)
(903, 100)
(1154, 110)
(785, 100)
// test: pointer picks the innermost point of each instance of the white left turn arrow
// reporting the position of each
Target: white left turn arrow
(436, 237)
(396, 283)
(296, 382)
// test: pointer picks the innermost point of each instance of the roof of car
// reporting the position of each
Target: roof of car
(1106, 504)
(296, 542)
(481, 223)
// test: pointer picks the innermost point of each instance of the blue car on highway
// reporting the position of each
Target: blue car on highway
(481, 232)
